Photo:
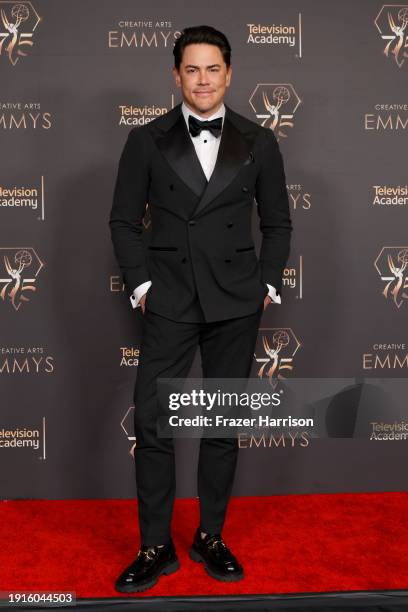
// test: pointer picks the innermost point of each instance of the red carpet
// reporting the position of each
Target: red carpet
(288, 544)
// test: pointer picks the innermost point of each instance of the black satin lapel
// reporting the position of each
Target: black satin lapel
(179, 151)
(233, 151)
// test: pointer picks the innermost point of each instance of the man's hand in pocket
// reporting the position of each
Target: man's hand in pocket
(142, 302)
(267, 301)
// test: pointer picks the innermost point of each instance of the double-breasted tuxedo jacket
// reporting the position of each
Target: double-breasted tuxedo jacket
(201, 258)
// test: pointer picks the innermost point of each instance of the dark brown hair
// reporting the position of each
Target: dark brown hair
(201, 34)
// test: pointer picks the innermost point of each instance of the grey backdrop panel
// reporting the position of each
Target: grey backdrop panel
(76, 393)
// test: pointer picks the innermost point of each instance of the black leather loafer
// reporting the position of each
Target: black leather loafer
(150, 563)
(218, 560)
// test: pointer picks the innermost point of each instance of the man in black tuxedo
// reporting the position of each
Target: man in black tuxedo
(199, 282)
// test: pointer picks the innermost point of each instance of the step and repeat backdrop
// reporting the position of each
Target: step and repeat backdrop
(75, 77)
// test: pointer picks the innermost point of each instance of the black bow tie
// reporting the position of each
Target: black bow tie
(195, 126)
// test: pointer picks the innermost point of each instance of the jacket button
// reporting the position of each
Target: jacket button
(245, 189)
(191, 222)
(228, 261)
(184, 260)
(171, 187)
(230, 225)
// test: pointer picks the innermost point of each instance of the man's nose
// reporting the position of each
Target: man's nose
(203, 78)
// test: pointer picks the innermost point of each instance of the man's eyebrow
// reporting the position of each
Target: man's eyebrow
(211, 66)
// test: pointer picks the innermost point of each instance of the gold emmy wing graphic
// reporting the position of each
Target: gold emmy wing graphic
(391, 264)
(275, 105)
(279, 347)
(391, 22)
(18, 264)
(18, 21)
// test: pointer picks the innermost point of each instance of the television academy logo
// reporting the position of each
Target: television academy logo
(133, 115)
(140, 115)
(129, 356)
(396, 430)
(391, 22)
(18, 21)
(292, 278)
(279, 346)
(31, 197)
(281, 35)
(275, 105)
(391, 264)
(24, 437)
(21, 267)
(390, 195)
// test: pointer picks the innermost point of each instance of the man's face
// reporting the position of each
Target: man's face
(203, 78)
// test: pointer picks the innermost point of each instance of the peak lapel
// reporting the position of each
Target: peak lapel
(179, 151)
(234, 149)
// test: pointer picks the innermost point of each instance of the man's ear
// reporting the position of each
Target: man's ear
(229, 75)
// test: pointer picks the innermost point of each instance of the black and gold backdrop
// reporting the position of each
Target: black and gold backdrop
(330, 79)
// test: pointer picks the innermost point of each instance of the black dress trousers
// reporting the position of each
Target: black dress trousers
(167, 351)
